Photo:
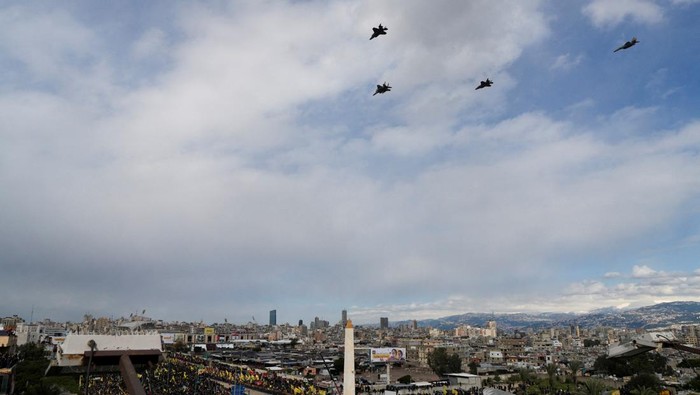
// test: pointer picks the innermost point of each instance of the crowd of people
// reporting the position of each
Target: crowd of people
(104, 384)
(262, 381)
(173, 377)
(169, 377)
(184, 374)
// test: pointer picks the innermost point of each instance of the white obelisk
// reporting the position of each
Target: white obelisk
(349, 369)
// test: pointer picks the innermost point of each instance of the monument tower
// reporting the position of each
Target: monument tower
(349, 369)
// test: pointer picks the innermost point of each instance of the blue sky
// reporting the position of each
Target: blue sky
(211, 160)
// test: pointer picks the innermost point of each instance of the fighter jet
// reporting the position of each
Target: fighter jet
(378, 31)
(382, 88)
(628, 44)
(484, 84)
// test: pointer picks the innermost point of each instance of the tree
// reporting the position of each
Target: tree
(68, 384)
(407, 379)
(592, 387)
(473, 367)
(644, 380)
(31, 351)
(525, 376)
(180, 346)
(42, 388)
(29, 371)
(339, 364)
(512, 379)
(643, 391)
(694, 384)
(551, 372)
(442, 363)
(91, 343)
(642, 363)
(575, 366)
(590, 342)
(689, 363)
(31, 367)
(659, 363)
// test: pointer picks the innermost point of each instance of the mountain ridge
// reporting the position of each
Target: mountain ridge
(657, 315)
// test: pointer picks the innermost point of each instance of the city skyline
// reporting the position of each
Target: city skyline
(214, 161)
(658, 315)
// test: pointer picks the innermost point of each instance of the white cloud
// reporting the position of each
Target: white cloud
(566, 62)
(586, 288)
(168, 211)
(153, 43)
(611, 13)
(582, 105)
(643, 272)
(410, 141)
(441, 41)
(47, 43)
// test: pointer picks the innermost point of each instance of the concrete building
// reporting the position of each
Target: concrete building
(82, 353)
(319, 324)
(464, 380)
(75, 348)
(10, 322)
(8, 342)
(512, 345)
(28, 334)
(495, 357)
(490, 330)
(690, 334)
(383, 322)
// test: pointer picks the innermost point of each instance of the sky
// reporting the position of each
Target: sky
(215, 160)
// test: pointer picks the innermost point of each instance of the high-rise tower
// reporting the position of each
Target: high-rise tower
(273, 317)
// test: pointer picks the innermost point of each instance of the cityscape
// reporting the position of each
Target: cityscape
(488, 354)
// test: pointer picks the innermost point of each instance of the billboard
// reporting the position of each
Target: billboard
(387, 354)
(208, 331)
(167, 338)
